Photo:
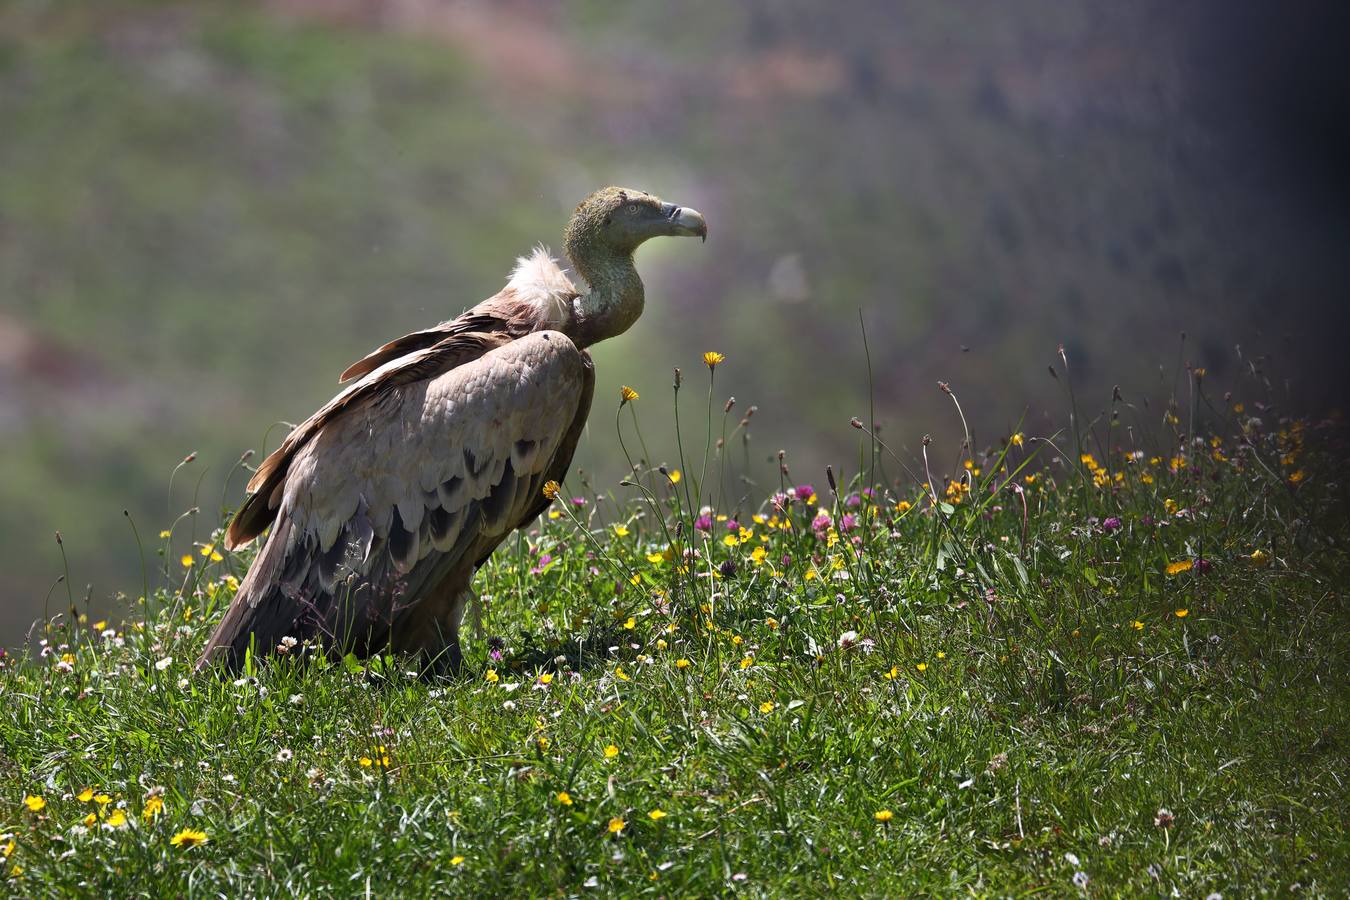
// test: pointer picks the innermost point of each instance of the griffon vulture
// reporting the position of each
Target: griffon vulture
(383, 503)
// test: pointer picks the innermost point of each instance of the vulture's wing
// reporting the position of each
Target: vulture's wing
(400, 481)
(419, 340)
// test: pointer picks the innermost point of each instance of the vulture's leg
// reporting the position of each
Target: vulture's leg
(431, 629)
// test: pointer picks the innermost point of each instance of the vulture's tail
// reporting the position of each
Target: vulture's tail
(258, 611)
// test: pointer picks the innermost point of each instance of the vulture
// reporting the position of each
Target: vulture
(379, 508)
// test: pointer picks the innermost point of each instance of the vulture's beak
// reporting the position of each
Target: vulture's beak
(684, 222)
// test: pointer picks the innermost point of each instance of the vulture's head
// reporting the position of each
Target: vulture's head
(618, 219)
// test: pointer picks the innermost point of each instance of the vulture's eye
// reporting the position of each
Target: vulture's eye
(632, 207)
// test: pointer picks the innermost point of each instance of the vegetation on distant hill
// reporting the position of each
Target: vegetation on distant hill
(1111, 661)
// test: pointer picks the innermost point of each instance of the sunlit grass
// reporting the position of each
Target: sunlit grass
(1110, 661)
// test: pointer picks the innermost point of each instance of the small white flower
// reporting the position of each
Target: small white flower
(1080, 880)
(297, 699)
(1072, 859)
(848, 639)
(183, 684)
(284, 755)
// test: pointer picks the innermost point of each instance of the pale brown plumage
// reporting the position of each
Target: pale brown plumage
(383, 503)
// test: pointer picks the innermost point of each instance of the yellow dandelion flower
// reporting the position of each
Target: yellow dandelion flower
(1182, 613)
(611, 751)
(100, 625)
(564, 798)
(554, 514)
(627, 395)
(550, 490)
(542, 742)
(365, 762)
(117, 818)
(620, 531)
(892, 674)
(747, 662)
(35, 803)
(1259, 557)
(904, 506)
(674, 476)
(883, 815)
(766, 707)
(712, 358)
(187, 560)
(545, 677)
(188, 837)
(731, 540)
(1017, 440)
(617, 825)
(89, 820)
(456, 860)
(85, 795)
(1137, 625)
(491, 676)
(922, 667)
(630, 624)
(153, 807)
(941, 655)
(1296, 477)
(102, 799)
(620, 674)
(661, 644)
(682, 664)
(1176, 568)
(656, 815)
(164, 535)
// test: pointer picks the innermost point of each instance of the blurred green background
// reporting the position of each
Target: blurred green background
(207, 210)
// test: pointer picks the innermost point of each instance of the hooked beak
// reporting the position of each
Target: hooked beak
(684, 222)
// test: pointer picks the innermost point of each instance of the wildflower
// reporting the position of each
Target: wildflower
(188, 837)
(153, 807)
(620, 674)
(545, 677)
(491, 676)
(1176, 568)
(1016, 440)
(766, 707)
(848, 522)
(1296, 477)
(804, 492)
(1171, 506)
(209, 550)
(883, 815)
(1203, 565)
(1259, 557)
(904, 506)
(891, 674)
(1080, 880)
(285, 755)
(1137, 625)
(627, 395)
(564, 798)
(656, 815)
(611, 751)
(187, 560)
(731, 540)
(617, 825)
(1182, 613)
(164, 535)
(1164, 818)
(117, 819)
(682, 663)
(85, 795)
(848, 639)
(922, 667)
(164, 663)
(620, 531)
(674, 476)
(1111, 523)
(89, 820)
(550, 490)
(704, 523)
(35, 803)
(712, 358)
(456, 860)
(542, 742)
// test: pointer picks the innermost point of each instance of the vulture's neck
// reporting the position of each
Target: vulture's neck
(614, 299)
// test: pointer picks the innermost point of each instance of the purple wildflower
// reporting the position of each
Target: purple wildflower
(779, 501)
(853, 501)
(821, 522)
(848, 522)
(733, 525)
(1203, 565)
(728, 568)
(578, 501)
(703, 523)
(804, 492)
(1111, 523)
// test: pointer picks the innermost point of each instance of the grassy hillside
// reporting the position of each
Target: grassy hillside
(207, 211)
(1112, 663)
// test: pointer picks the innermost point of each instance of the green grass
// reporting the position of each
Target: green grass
(1018, 699)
